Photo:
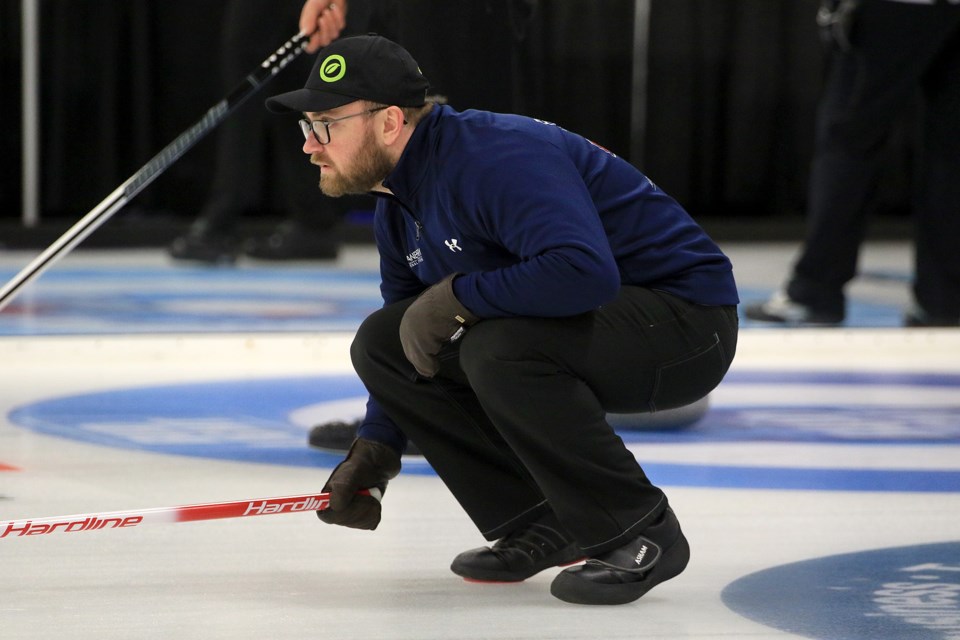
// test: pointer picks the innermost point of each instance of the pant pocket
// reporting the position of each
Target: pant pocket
(685, 380)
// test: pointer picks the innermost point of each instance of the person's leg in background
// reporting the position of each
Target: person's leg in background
(868, 87)
(256, 173)
(315, 223)
(937, 203)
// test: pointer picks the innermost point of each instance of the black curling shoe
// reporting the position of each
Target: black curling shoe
(520, 554)
(624, 574)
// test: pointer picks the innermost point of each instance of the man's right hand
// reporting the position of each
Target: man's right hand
(368, 464)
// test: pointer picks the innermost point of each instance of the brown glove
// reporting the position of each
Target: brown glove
(368, 464)
(434, 318)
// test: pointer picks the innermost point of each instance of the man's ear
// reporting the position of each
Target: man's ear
(393, 124)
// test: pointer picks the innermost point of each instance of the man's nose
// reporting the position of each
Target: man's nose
(311, 146)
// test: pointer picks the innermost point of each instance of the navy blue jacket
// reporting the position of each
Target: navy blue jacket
(540, 221)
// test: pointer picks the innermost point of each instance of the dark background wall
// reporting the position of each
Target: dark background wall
(731, 99)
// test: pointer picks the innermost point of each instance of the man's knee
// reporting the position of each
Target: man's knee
(490, 349)
(379, 333)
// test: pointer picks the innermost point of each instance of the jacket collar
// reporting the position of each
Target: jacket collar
(414, 163)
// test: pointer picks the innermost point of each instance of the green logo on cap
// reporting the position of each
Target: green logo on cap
(333, 68)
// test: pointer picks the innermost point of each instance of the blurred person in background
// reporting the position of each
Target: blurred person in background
(882, 55)
(253, 174)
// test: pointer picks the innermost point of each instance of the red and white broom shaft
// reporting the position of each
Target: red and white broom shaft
(185, 513)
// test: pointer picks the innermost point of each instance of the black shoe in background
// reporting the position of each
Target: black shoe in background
(781, 309)
(337, 436)
(203, 248)
(291, 241)
(917, 317)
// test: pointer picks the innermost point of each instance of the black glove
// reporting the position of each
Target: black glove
(434, 318)
(368, 464)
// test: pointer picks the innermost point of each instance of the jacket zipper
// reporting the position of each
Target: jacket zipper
(407, 210)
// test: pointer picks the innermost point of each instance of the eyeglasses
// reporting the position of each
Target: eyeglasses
(321, 128)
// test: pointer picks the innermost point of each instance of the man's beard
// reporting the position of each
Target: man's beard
(370, 167)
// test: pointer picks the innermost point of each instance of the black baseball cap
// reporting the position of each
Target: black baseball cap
(366, 67)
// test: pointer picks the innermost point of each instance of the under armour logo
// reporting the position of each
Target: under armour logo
(452, 245)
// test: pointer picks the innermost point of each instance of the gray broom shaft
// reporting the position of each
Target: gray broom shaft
(150, 171)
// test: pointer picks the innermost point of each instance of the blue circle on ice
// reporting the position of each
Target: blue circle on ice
(267, 421)
(887, 594)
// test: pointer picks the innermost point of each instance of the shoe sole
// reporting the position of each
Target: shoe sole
(569, 587)
(499, 579)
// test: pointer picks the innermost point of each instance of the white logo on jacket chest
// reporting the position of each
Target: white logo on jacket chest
(452, 245)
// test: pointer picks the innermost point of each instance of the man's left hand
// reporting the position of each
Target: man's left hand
(434, 318)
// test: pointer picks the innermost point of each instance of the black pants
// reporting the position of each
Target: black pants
(515, 422)
(900, 51)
